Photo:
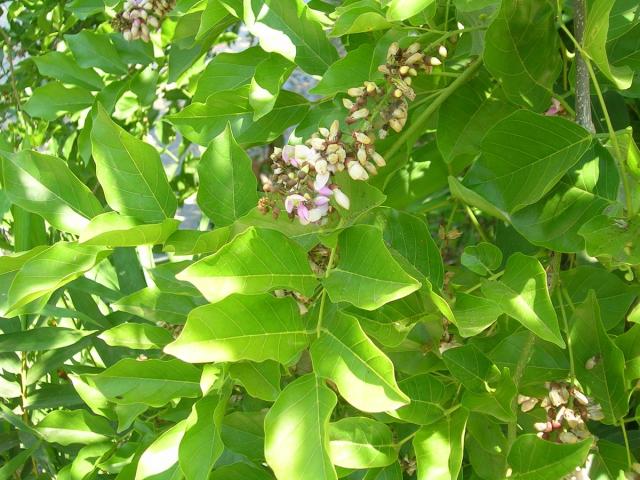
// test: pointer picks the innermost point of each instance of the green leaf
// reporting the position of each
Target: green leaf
(95, 50)
(202, 122)
(194, 242)
(158, 306)
(41, 338)
(130, 172)
(160, 459)
(360, 442)
(472, 368)
(228, 71)
(255, 261)
(522, 293)
(45, 185)
(85, 8)
(532, 458)
(260, 380)
(612, 239)
(53, 100)
(474, 313)
(521, 50)
(497, 401)
(239, 471)
(482, 258)
(202, 444)
(402, 9)
(409, 235)
(591, 344)
(151, 382)
(439, 447)
(228, 186)
(115, 230)
(270, 74)
(290, 28)
(63, 67)
(296, 438)
(243, 432)
(463, 118)
(629, 344)
(513, 174)
(67, 427)
(362, 373)
(356, 67)
(614, 295)
(367, 276)
(358, 17)
(236, 329)
(140, 336)
(428, 396)
(594, 43)
(586, 190)
(48, 270)
(470, 197)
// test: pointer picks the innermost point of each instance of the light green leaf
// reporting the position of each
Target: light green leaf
(470, 197)
(474, 313)
(358, 17)
(439, 447)
(472, 368)
(243, 432)
(63, 67)
(270, 74)
(482, 258)
(296, 438)
(360, 442)
(290, 28)
(115, 230)
(140, 336)
(157, 306)
(151, 382)
(594, 43)
(256, 328)
(513, 174)
(590, 343)
(428, 396)
(202, 122)
(194, 242)
(96, 50)
(586, 190)
(522, 293)
(202, 444)
(53, 100)
(228, 71)
(255, 261)
(228, 186)
(362, 373)
(85, 8)
(356, 67)
(45, 185)
(160, 460)
(41, 338)
(67, 427)
(612, 240)
(260, 380)
(402, 9)
(463, 118)
(367, 276)
(240, 471)
(521, 50)
(130, 172)
(49, 270)
(532, 458)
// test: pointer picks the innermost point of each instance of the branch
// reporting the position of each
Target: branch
(583, 88)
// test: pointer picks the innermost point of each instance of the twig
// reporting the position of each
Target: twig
(583, 87)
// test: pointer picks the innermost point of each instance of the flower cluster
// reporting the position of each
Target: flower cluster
(567, 409)
(140, 17)
(303, 175)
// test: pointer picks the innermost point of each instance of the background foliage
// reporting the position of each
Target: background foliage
(473, 314)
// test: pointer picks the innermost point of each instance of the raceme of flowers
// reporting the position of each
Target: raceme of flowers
(140, 17)
(303, 175)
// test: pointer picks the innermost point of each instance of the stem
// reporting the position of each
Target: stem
(527, 350)
(478, 285)
(419, 122)
(583, 87)
(324, 292)
(626, 444)
(475, 222)
(565, 324)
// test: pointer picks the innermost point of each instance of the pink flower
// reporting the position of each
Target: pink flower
(293, 201)
(555, 108)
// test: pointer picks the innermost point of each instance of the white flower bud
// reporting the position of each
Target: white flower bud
(442, 51)
(153, 21)
(348, 104)
(567, 437)
(362, 138)
(357, 171)
(404, 69)
(341, 199)
(413, 48)
(333, 148)
(362, 155)
(355, 92)
(127, 35)
(395, 124)
(317, 143)
(324, 132)
(434, 61)
(379, 159)
(413, 59)
(393, 49)
(358, 114)
(397, 93)
(371, 168)
(333, 158)
(321, 166)
(370, 86)
(333, 130)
